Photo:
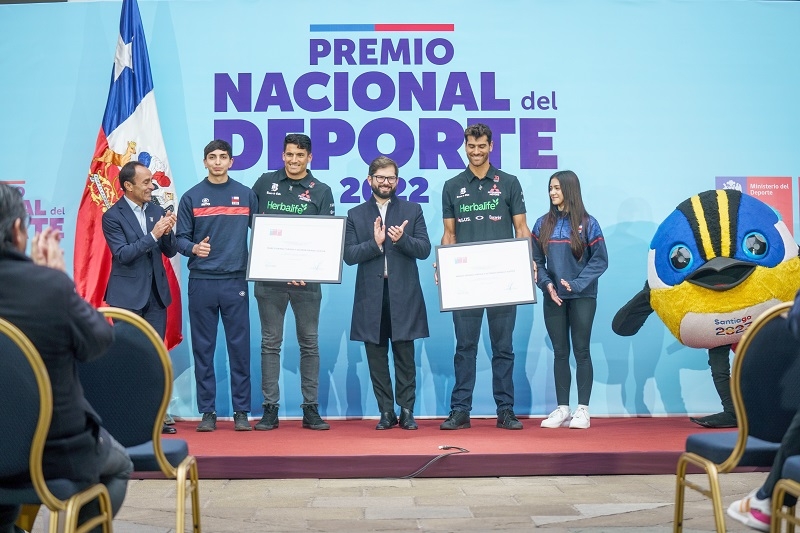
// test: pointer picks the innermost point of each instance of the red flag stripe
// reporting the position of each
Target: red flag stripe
(92, 263)
(174, 334)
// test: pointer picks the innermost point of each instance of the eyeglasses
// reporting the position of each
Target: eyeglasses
(382, 179)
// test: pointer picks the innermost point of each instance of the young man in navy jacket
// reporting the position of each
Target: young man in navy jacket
(213, 219)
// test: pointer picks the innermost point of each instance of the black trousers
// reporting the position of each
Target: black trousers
(720, 363)
(405, 372)
(572, 319)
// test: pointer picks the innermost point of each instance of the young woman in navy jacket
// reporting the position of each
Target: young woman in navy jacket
(570, 255)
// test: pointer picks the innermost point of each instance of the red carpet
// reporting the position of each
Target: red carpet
(354, 449)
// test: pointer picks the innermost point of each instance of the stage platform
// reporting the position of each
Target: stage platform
(354, 449)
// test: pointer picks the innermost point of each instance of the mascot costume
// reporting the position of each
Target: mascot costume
(715, 263)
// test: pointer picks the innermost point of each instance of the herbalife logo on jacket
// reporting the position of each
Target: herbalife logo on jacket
(297, 209)
(488, 205)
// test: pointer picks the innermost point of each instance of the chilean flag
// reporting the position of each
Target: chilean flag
(130, 132)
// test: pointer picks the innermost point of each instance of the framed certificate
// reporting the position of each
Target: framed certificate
(296, 247)
(485, 274)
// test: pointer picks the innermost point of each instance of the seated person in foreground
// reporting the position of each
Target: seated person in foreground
(39, 298)
(755, 509)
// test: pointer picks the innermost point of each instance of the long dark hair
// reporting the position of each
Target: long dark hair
(573, 208)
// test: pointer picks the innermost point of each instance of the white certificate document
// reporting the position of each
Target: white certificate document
(485, 274)
(295, 247)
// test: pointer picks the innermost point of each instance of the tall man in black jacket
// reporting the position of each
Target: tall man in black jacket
(385, 236)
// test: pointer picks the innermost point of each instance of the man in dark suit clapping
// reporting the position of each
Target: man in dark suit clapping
(138, 233)
(385, 236)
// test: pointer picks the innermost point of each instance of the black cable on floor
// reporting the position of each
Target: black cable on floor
(440, 456)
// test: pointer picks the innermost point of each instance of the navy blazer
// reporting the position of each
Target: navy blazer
(136, 257)
(407, 305)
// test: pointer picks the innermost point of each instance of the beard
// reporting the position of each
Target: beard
(381, 194)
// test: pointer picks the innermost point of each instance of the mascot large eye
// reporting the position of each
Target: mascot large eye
(755, 245)
(680, 257)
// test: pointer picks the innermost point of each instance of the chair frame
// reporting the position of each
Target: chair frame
(709, 467)
(66, 511)
(781, 513)
(186, 473)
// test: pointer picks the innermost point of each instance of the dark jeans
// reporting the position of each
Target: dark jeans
(572, 319)
(272, 299)
(790, 445)
(114, 474)
(467, 324)
(405, 372)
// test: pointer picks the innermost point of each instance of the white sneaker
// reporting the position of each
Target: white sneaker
(580, 418)
(558, 418)
(752, 512)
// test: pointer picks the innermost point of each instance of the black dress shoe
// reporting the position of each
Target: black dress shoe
(388, 420)
(407, 419)
(719, 420)
(168, 430)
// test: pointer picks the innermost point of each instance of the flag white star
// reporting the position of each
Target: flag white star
(123, 57)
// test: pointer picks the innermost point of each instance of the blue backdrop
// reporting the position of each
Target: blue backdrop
(648, 102)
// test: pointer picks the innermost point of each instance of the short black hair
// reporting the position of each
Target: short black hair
(477, 131)
(128, 172)
(380, 162)
(218, 144)
(300, 140)
(12, 208)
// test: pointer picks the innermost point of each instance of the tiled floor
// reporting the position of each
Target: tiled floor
(618, 504)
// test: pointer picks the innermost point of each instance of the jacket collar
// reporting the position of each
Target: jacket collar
(14, 255)
(130, 216)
